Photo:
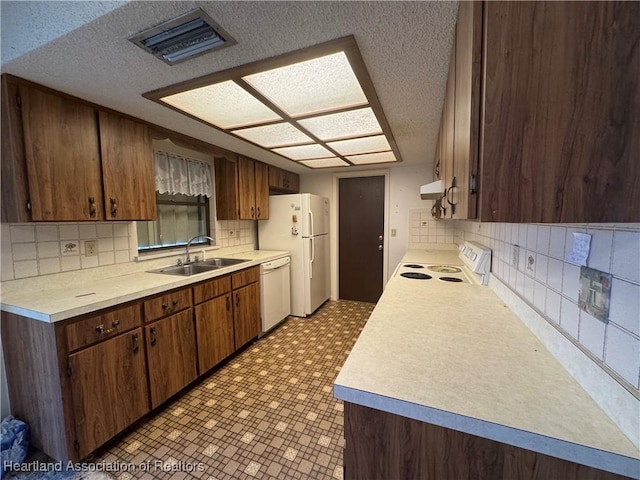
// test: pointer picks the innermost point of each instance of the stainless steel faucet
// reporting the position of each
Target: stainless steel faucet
(188, 259)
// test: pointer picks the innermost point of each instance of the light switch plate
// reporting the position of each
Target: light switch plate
(594, 296)
(515, 255)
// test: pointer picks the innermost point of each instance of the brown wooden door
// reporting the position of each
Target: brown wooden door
(561, 112)
(171, 355)
(467, 61)
(246, 313)
(246, 188)
(63, 157)
(361, 224)
(127, 169)
(262, 190)
(109, 389)
(226, 189)
(214, 331)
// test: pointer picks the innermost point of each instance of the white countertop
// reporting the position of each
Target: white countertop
(43, 298)
(473, 366)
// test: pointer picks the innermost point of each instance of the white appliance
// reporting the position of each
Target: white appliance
(275, 292)
(473, 266)
(300, 224)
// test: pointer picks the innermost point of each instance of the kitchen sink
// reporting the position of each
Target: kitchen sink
(199, 267)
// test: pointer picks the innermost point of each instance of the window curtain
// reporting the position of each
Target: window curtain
(178, 174)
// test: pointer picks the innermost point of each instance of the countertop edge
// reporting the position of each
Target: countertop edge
(178, 282)
(592, 457)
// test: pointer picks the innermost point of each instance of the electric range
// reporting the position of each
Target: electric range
(473, 266)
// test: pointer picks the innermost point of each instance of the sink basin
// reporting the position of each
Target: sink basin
(222, 262)
(200, 267)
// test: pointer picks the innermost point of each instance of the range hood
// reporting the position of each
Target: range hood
(432, 191)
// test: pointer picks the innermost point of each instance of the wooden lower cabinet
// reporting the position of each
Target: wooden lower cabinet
(109, 389)
(214, 331)
(171, 355)
(381, 446)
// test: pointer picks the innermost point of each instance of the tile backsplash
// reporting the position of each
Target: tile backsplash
(541, 275)
(424, 230)
(33, 249)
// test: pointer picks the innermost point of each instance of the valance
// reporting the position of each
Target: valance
(178, 174)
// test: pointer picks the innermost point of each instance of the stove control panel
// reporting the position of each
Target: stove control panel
(477, 258)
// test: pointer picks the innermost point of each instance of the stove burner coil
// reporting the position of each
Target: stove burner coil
(445, 269)
(413, 265)
(451, 279)
(416, 276)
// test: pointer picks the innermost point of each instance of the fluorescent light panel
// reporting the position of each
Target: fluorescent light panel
(225, 105)
(318, 85)
(368, 158)
(275, 135)
(325, 163)
(337, 126)
(303, 152)
(299, 111)
(360, 145)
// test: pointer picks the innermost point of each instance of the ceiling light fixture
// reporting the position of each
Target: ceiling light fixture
(184, 37)
(315, 106)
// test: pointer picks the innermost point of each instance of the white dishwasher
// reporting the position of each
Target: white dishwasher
(275, 292)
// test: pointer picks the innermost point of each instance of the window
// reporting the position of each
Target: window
(180, 218)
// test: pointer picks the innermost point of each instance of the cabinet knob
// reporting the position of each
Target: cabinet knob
(228, 303)
(93, 209)
(237, 299)
(253, 212)
(258, 212)
(114, 206)
(153, 336)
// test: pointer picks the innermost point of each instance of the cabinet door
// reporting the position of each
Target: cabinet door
(214, 331)
(109, 389)
(262, 190)
(246, 313)
(246, 188)
(561, 112)
(468, 61)
(62, 154)
(171, 355)
(226, 189)
(448, 126)
(127, 169)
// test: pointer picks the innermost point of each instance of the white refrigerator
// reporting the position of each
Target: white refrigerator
(299, 223)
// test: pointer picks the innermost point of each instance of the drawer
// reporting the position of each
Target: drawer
(91, 330)
(211, 289)
(167, 304)
(245, 277)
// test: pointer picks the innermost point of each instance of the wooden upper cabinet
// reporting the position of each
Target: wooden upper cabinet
(282, 181)
(246, 188)
(261, 171)
(447, 133)
(127, 169)
(561, 112)
(465, 110)
(62, 155)
(242, 190)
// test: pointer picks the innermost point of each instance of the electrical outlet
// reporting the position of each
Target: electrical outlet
(393, 232)
(90, 248)
(515, 255)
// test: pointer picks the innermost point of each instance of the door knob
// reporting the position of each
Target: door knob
(379, 247)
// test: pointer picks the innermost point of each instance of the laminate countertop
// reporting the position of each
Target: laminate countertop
(456, 356)
(55, 297)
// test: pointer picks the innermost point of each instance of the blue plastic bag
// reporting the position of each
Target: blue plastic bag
(14, 442)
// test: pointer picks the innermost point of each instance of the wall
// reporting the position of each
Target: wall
(550, 283)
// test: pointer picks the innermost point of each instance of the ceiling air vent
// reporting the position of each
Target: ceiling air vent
(184, 37)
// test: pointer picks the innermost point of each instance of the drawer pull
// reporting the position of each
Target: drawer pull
(93, 209)
(134, 342)
(114, 207)
(101, 331)
(237, 300)
(153, 336)
(171, 308)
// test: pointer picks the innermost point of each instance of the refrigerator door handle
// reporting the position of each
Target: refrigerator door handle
(313, 256)
(310, 223)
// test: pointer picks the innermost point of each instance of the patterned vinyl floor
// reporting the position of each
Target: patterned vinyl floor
(267, 413)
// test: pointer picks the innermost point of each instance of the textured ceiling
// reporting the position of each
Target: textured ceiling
(81, 48)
